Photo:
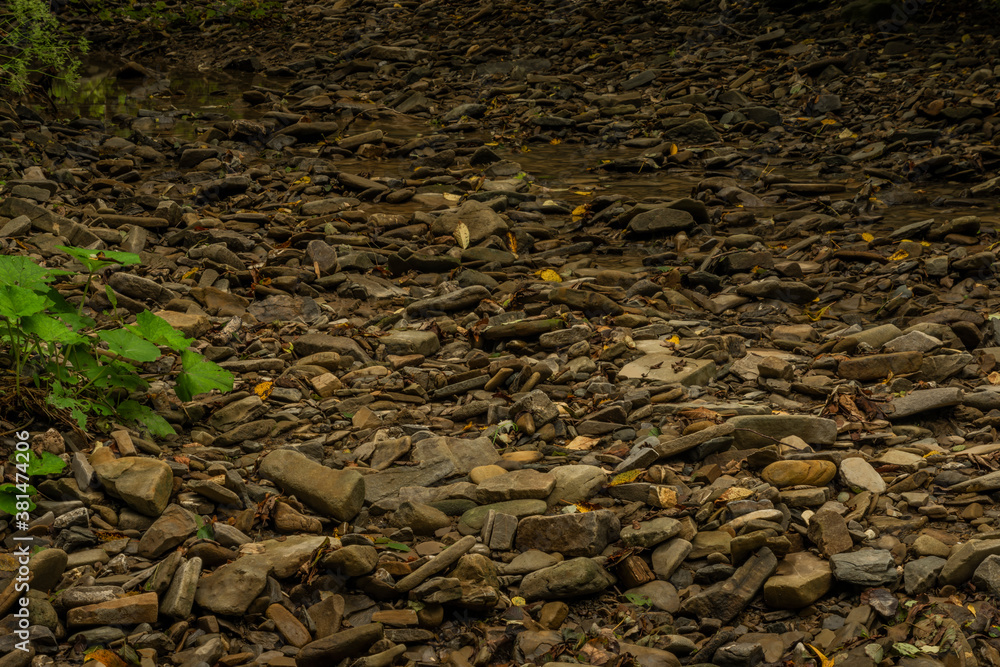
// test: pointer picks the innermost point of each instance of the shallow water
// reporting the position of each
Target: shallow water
(101, 94)
(179, 103)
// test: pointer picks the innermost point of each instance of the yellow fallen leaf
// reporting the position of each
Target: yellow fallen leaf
(7, 563)
(302, 181)
(462, 235)
(823, 660)
(899, 255)
(518, 601)
(556, 142)
(662, 496)
(512, 243)
(673, 149)
(733, 493)
(815, 317)
(828, 121)
(626, 477)
(189, 274)
(549, 275)
(109, 535)
(105, 657)
(263, 390)
(580, 210)
(868, 237)
(450, 196)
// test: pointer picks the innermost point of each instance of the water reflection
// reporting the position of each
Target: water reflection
(178, 103)
(102, 93)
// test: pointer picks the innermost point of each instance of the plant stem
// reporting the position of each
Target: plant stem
(16, 349)
(86, 291)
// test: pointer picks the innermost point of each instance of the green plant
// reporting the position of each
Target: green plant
(46, 464)
(85, 369)
(397, 546)
(32, 41)
(205, 530)
(639, 599)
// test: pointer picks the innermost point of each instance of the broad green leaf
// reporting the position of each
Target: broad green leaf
(57, 372)
(205, 530)
(130, 346)
(78, 407)
(142, 414)
(158, 331)
(638, 599)
(49, 329)
(112, 299)
(46, 464)
(96, 259)
(102, 409)
(114, 374)
(123, 375)
(8, 498)
(200, 375)
(67, 312)
(20, 301)
(12, 488)
(24, 272)
(81, 358)
(98, 375)
(398, 546)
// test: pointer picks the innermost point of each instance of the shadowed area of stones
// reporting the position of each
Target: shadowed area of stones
(601, 333)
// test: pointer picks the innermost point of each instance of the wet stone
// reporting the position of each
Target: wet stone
(569, 579)
(571, 535)
(144, 484)
(867, 567)
(800, 580)
(336, 493)
(480, 351)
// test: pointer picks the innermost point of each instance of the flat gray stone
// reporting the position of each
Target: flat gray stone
(668, 368)
(579, 534)
(924, 400)
(763, 430)
(569, 579)
(403, 342)
(856, 473)
(866, 567)
(465, 454)
(179, 598)
(333, 493)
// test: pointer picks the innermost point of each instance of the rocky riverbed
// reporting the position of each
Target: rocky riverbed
(601, 333)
